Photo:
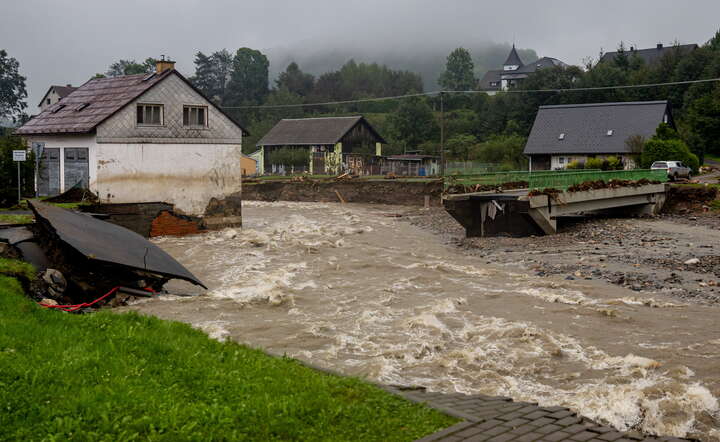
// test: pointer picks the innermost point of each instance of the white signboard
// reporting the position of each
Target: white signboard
(19, 155)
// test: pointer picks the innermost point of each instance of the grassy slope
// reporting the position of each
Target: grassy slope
(112, 376)
(15, 219)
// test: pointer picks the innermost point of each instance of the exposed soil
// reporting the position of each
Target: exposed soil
(651, 255)
(353, 191)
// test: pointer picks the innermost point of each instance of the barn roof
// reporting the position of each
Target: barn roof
(594, 128)
(94, 102)
(313, 131)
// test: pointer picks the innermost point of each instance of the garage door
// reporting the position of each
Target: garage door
(76, 168)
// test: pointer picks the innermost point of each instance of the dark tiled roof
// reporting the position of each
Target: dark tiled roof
(104, 97)
(513, 58)
(543, 63)
(651, 55)
(586, 126)
(312, 131)
(94, 102)
(491, 77)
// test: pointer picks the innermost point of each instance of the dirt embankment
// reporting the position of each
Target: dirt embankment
(686, 199)
(355, 191)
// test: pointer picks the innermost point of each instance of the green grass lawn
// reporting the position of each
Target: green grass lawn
(15, 219)
(118, 377)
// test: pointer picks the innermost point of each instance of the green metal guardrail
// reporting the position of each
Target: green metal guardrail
(558, 179)
(564, 180)
(498, 178)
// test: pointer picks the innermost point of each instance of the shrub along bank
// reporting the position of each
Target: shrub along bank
(108, 376)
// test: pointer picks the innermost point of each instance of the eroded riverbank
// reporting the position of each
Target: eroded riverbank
(357, 290)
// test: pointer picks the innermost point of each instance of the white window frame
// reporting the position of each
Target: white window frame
(150, 105)
(190, 108)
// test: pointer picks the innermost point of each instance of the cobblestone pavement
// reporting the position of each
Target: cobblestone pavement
(498, 419)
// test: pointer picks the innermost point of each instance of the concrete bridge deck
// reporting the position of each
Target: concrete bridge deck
(516, 213)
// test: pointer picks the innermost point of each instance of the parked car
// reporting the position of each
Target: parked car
(675, 169)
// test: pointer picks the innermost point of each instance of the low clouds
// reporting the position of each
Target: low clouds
(68, 41)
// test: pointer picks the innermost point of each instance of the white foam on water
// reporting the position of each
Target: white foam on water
(215, 329)
(416, 330)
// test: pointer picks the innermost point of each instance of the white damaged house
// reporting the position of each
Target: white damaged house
(139, 138)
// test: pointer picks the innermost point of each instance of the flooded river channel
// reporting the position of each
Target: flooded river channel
(350, 288)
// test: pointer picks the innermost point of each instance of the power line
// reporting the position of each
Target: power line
(511, 91)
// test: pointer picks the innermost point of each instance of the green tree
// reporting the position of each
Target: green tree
(460, 146)
(249, 82)
(130, 67)
(12, 88)
(212, 74)
(413, 123)
(459, 74)
(703, 120)
(666, 145)
(506, 150)
(8, 170)
(296, 81)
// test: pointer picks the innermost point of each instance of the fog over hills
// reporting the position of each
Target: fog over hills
(427, 60)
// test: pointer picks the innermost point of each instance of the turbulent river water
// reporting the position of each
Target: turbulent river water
(352, 289)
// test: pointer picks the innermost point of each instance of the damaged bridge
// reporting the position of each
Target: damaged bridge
(522, 212)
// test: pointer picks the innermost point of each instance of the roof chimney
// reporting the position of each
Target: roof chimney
(659, 46)
(163, 65)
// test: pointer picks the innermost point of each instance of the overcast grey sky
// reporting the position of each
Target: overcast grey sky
(67, 41)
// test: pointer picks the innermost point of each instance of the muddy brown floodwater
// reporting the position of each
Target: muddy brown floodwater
(352, 289)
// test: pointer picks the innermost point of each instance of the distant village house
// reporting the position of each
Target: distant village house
(138, 138)
(576, 132)
(55, 94)
(320, 146)
(651, 55)
(514, 71)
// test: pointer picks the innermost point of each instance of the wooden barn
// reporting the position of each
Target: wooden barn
(321, 146)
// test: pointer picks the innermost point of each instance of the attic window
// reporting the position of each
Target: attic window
(149, 114)
(58, 108)
(82, 106)
(562, 136)
(148, 76)
(195, 116)
(609, 133)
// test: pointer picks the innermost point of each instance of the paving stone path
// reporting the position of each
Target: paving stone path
(499, 419)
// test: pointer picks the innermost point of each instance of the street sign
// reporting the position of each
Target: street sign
(19, 155)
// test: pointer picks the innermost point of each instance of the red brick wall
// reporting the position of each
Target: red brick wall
(168, 224)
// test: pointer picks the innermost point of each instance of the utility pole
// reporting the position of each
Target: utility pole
(442, 134)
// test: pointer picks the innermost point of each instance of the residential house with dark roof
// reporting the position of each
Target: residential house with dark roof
(576, 132)
(55, 94)
(514, 71)
(138, 138)
(651, 55)
(333, 145)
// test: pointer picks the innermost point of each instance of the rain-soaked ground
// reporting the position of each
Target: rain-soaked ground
(355, 290)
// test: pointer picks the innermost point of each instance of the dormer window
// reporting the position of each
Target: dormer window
(561, 137)
(149, 114)
(58, 108)
(195, 116)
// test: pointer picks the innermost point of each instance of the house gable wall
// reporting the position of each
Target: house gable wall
(173, 93)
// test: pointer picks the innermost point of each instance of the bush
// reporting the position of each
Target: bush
(668, 150)
(614, 163)
(575, 165)
(594, 163)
